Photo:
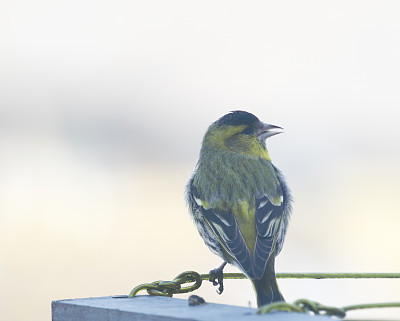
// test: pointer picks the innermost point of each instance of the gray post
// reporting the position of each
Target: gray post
(156, 308)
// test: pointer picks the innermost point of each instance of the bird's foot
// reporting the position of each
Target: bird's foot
(218, 277)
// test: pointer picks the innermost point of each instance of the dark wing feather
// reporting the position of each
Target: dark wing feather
(227, 232)
(268, 223)
(225, 229)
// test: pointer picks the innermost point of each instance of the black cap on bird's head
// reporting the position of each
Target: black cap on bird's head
(237, 118)
(253, 126)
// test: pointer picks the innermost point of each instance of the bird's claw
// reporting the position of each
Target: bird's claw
(218, 279)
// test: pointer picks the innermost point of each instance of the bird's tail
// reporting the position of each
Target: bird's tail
(266, 288)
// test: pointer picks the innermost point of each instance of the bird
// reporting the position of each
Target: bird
(240, 202)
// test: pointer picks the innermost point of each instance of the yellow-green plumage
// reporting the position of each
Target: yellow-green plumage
(239, 200)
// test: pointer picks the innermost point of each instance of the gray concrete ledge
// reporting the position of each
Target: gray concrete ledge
(156, 308)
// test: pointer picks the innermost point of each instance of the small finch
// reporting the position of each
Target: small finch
(239, 200)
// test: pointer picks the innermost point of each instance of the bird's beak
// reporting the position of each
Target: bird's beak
(267, 130)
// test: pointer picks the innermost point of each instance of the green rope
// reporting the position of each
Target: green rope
(303, 306)
(168, 288)
(307, 306)
(338, 275)
(372, 306)
(235, 276)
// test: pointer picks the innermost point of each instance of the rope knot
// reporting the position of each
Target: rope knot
(303, 306)
(169, 288)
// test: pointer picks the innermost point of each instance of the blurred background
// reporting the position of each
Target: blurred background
(103, 105)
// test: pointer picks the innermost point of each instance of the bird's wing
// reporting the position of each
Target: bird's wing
(268, 220)
(225, 228)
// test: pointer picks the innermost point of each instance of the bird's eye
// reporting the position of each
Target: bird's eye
(249, 130)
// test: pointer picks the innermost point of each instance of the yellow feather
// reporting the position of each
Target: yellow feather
(245, 217)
